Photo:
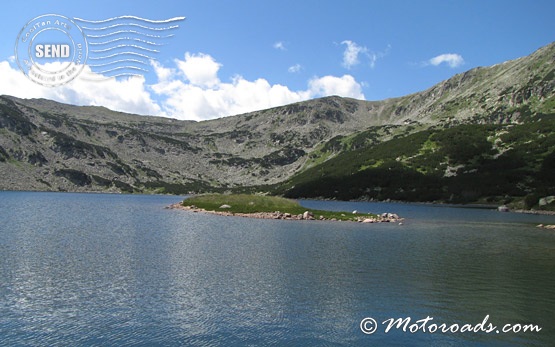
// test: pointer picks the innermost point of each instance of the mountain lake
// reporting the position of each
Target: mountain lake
(122, 270)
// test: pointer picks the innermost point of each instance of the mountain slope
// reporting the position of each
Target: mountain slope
(490, 139)
(46, 145)
(111, 150)
(507, 92)
(486, 163)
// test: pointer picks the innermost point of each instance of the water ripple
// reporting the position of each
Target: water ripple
(127, 272)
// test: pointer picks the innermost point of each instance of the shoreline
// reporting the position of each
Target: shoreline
(307, 215)
(440, 204)
(536, 212)
(425, 203)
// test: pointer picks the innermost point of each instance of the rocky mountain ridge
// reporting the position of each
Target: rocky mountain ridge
(45, 145)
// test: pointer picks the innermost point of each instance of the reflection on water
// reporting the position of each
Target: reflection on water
(96, 269)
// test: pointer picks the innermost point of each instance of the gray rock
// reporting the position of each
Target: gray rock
(546, 201)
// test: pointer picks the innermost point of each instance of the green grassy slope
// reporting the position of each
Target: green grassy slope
(503, 163)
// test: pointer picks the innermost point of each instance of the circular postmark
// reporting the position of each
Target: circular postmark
(51, 50)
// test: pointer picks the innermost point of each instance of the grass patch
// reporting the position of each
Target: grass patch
(246, 203)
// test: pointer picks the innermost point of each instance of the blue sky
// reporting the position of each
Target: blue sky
(231, 57)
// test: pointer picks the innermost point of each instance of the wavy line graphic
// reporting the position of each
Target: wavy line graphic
(124, 46)
(130, 24)
(121, 68)
(99, 78)
(129, 32)
(175, 19)
(126, 39)
(118, 62)
(132, 41)
(123, 53)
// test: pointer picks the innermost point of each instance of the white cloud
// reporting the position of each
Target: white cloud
(353, 51)
(279, 45)
(15, 83)
(126, 95)
(200, 69)
(190, 89)
(451, 59)
(295, 68)
(330, 85)
(162, 72)
(186, 100)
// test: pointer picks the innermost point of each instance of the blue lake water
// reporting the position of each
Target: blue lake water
(121, 270)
